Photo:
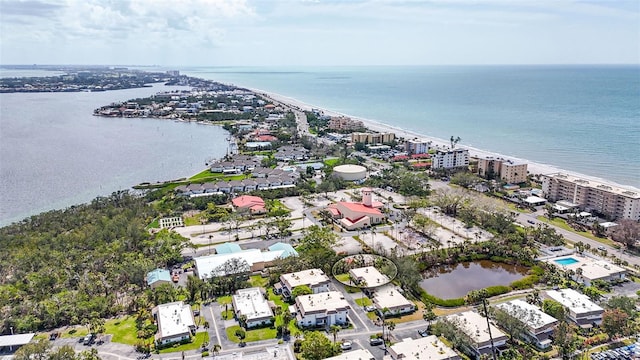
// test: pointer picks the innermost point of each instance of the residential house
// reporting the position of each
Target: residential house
(158, 277)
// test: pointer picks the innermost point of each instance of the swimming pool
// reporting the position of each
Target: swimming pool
(566, 261)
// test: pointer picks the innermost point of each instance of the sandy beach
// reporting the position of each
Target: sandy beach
(533, 167)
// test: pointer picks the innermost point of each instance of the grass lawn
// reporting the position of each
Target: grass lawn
(372, 315)
(192, 220)
(364, 301)
(331, 162)
(206, 175)
(343, 278)
(124, 330)
(258, 281)
(197, 342)
(252, 335)
(76, 332)
(563, 224)
(227, 315)
(155, 224)
(224, 299)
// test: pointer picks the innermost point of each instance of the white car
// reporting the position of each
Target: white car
(346, 345)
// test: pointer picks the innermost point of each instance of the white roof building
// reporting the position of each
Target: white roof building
(368, 277)
(175, 322)
(474, 325)
(360, 354)
(313, 278)
(252, 304)
(582, 310)
(588, 269)
(390, 298)
(539, 324)
(429, 347)
(327, 308)
(211, 265)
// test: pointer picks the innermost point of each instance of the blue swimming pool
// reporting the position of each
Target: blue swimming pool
(566, 261)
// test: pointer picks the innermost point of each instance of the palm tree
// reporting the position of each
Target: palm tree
(334, 329)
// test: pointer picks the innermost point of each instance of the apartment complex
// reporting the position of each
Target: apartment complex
(509, 171)
(610, 200)
(429, 347)
(415, 146)
(581, 310)
(252, 306)
(388, 298)
(315, 279)
(372, 138)
(540, 325)
(175, 322)
(450, 159)
(368, 277)
(474, 326)
(344, 123)
(323, 309)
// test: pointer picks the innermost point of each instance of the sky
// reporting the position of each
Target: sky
(317, 33)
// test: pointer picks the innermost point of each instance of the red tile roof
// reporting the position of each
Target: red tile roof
(247, 201)
(360, 208)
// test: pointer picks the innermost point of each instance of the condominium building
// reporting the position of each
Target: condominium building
(315, 279)
(429, 347)
(474, 326)
(175, 322)
(344, 123)
(610, 200)
(372, 138)
(388, 298)
(539, 325)
(323, 309)
(251, 305)
(368, 277)
(509, 171)
(359, 354)
(581, 310)
(417, 146)
(450, 159)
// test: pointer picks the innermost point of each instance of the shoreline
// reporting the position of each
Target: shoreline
(534, 168)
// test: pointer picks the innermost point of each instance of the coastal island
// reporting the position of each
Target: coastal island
(243, 252)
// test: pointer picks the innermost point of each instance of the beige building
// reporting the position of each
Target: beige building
(251, 304)
(344, 123)
(509, 171)
(372, 138)
(610, 200)
(368, 277)
(429, 347)
(175, 322)
(581, 310)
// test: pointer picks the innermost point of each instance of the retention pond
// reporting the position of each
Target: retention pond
(455, 281)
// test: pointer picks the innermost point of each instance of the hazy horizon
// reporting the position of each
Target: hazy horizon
(320, 33)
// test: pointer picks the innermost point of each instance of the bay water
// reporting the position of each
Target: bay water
(54, 153)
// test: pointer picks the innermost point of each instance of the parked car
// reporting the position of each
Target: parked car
(375, 341)
(346, 345)
(370, 308)
(88, 340)
(423, 332)
(531, 221)
(602, 248)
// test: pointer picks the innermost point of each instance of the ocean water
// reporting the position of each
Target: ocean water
(54, 153)
(584, 119)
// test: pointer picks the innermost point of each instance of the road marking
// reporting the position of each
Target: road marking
(215, 325)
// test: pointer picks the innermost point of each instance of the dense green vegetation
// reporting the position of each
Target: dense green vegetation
(73, 266)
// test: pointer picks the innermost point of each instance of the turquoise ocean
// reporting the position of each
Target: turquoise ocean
(584, 119)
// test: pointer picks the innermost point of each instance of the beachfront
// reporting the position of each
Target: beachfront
(533, 167)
